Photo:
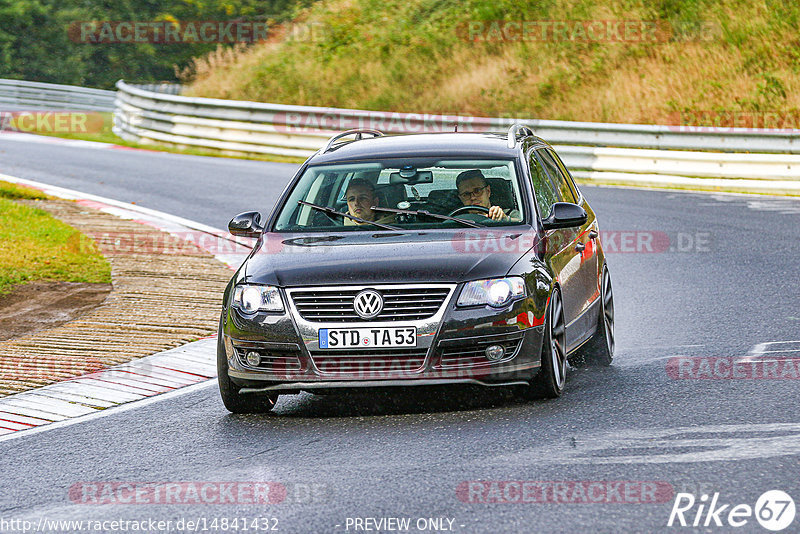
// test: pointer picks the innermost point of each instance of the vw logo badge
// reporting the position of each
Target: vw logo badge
(368, 304)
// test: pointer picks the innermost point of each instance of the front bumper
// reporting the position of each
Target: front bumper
(450, 349)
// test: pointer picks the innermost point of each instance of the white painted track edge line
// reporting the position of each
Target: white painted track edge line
(73, 194)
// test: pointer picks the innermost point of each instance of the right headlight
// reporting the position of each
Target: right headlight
(251, 299)
(496, 292)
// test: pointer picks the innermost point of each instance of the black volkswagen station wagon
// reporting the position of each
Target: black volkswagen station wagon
(425, 259)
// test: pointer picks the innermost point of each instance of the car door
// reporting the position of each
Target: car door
(585, 262)
(560, 250)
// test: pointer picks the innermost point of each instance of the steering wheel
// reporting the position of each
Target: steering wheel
(464, 209)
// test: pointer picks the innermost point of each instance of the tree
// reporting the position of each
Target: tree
(36, 43)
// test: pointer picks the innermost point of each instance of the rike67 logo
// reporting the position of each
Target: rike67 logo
(774, 510)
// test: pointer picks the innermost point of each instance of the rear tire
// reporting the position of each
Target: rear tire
(599, 350)
(234, 401)
(549, 382)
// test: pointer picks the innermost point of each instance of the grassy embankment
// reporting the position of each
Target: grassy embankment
(713, 62)
(415, 56)
(34, 246)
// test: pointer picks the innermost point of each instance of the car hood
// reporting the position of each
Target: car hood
(291, 260)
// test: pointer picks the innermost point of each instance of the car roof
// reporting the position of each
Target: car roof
(467, 145)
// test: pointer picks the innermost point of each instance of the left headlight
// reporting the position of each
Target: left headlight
(251, 299)
(496, 292)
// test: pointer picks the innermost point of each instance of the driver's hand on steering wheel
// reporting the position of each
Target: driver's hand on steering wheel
(496, 213)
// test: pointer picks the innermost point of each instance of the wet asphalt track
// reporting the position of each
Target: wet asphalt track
(729, 284)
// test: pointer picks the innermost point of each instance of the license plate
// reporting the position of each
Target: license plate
(351, 338)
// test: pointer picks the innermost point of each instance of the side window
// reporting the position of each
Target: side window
(559, 178)
(565, 172)
(544, 190)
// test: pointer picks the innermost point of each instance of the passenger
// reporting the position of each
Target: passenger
(360, 196)
(474, 190)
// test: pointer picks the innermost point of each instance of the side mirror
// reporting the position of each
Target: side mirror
(246, 225)
(565, 215)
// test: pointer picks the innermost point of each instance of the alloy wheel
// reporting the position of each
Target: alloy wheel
(608, 311)
(558, 345)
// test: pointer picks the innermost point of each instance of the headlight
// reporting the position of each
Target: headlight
(496, 292)
(251, 299)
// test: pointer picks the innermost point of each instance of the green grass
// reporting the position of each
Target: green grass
(17, 192)
(416, 56)
(34, 246)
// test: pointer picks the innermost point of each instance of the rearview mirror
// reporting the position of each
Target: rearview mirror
(418, 177)
(565, 215)
(246, 224)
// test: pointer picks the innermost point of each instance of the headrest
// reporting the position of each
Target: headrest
(501, 193)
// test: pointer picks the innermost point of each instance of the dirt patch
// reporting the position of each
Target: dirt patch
(38, 306)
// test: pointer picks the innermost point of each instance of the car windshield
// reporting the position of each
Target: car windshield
(403, 194)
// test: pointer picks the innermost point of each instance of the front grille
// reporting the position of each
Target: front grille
(275, 361)
(399, 304)
(472, 353)
(369, 364)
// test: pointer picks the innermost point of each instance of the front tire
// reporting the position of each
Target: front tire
(549, 382)
(234, 401)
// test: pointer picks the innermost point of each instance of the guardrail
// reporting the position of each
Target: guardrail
(20, 94)
(592, 151)
(760, 173)
(162, 87)
(264, 125)
(675, 155)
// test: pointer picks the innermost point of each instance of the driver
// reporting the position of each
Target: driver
(474, 190)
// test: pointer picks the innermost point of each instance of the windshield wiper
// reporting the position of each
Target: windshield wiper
(429, 214)
(331, 211)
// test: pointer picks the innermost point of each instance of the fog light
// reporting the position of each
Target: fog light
(253, 359)
(495, 352)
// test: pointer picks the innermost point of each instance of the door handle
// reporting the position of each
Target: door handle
(579, 247)
(593, 234)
